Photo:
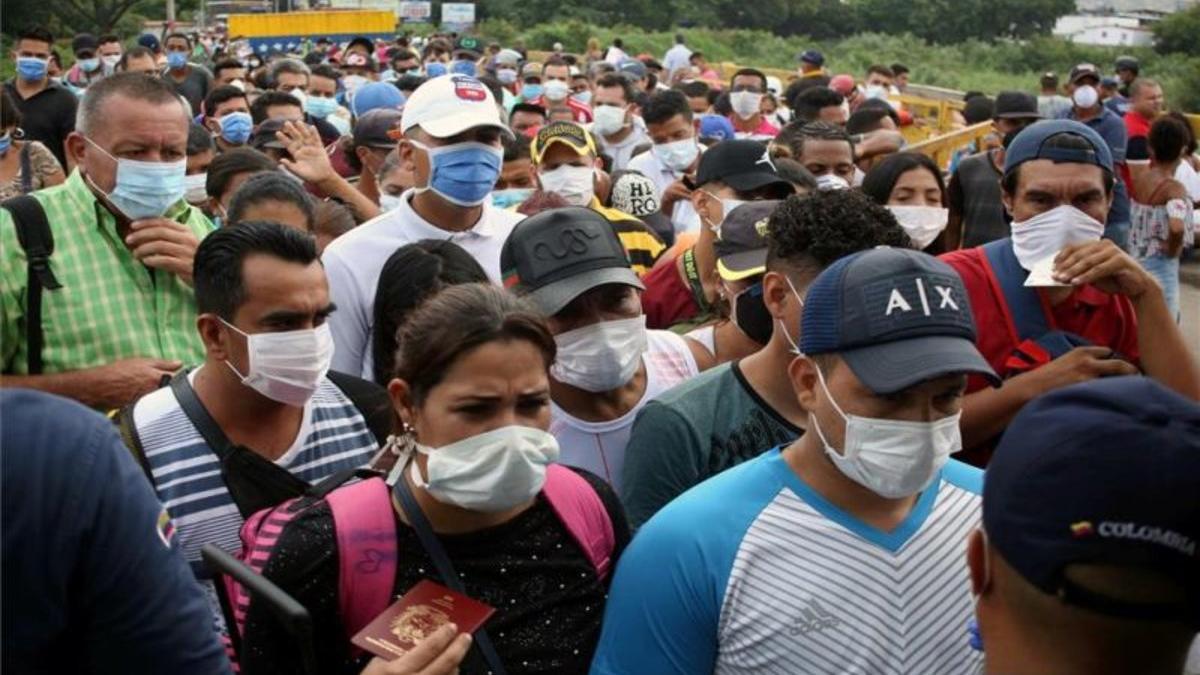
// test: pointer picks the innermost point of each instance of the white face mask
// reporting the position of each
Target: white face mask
(727, 207)
(1086, 96)
(609, 119)
(745, 103)
(677, 155)
(602, 356)
(830, 181)
(194, 184)
(891, 458)
(875, 91)
(493, 471)
(1041, 237)
(299, 96)
(389, 202)
(111, 60)
(923, 224)
(576, 184)
(287, 367)
(556, 90)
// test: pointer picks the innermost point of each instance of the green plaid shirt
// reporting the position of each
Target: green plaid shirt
(110, 306)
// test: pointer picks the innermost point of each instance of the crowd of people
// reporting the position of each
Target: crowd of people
(678, 373)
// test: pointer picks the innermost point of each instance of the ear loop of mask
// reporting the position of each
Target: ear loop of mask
(783, 326)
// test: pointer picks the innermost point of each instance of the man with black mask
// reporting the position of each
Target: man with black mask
(977, 215)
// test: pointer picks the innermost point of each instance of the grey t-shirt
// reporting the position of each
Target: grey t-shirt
(692, 432)
(194, 87)
(974, 193)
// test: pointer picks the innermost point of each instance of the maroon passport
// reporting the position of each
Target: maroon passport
(423, 609)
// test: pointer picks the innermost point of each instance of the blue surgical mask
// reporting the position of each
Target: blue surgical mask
(236, 126)
(531, 91)
(320, 107)
(145, 189)
(176, 59)
(506, 75)
(436, 69)
(462, 173)
(89, 65)
(584, 97)
(32, 69)
(5, 143)
(503, 199)
(463, 67)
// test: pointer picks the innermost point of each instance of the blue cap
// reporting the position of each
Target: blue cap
(148, 41)
(632, 69)
(897, 317)
(1030, 144)
(1105, 472)
(718, 127)
(375, 96)
(812, 56)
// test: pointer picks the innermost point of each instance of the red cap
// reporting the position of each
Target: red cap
(842, 84)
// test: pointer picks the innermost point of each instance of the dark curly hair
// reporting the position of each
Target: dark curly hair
(807, 234)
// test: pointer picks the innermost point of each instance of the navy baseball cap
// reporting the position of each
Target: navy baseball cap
(897, 317)
(557, 255)
(1030, 144)
(812, 56)
(1104, 473)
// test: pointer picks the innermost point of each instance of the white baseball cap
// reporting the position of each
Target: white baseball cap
(449, 105)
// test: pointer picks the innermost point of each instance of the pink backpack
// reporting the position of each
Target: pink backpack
(366, 539)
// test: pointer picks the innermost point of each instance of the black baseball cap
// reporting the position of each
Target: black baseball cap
(741, 247)
(1015, 105)
(897, 317)
(376, 128)
(85, 42)
(1101, 473)
(741, 164)
(1084, 70)
(264, 135)
(469, 45)
(555, 256)
(812, 56)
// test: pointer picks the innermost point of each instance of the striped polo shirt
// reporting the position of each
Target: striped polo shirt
(333, 436)
(754, 572)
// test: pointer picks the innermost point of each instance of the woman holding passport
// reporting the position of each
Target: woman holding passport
(478, 507)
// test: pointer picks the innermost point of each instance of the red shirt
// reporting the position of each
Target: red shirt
(1137, 131)
(1103, 319)
(583, 113)
(667, 299)
(764, 129)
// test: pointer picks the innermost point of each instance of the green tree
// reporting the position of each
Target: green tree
(1179, 32)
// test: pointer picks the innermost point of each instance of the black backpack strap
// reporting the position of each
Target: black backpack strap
(216, 439)
(35, 238)
(371, 400)
(26, 169)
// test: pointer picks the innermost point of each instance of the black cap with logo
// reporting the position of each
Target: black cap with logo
(741, 247)
(743, 165)
(555, 256)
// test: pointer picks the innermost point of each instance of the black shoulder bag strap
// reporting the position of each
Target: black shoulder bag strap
(26, 169)
(254, 482)
(371, 400)
(441, 561)
(34, 236)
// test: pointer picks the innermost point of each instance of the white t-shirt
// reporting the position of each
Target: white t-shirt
(683, 216)
(353, 262)
(599, 447)
(676, 57)
(622, 151)
(706, 336)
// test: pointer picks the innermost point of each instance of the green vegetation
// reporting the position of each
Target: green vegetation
(970, 65)
(1179, 33)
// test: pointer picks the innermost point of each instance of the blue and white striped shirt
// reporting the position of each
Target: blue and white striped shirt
(754, 572)
(333, 436)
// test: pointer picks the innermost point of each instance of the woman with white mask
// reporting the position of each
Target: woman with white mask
(475, 502)
(912, 188)
(570, 263)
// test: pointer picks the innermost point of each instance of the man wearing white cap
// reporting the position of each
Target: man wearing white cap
(451, 144)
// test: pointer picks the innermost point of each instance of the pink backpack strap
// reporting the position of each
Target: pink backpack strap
(366, 539)
(259, 534)
(582, 511)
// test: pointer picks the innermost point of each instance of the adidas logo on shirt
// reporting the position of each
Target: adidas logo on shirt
(813, 617)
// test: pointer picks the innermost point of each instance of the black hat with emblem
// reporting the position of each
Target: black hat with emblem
(555, 256)
(743, 165)
(741, 247)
